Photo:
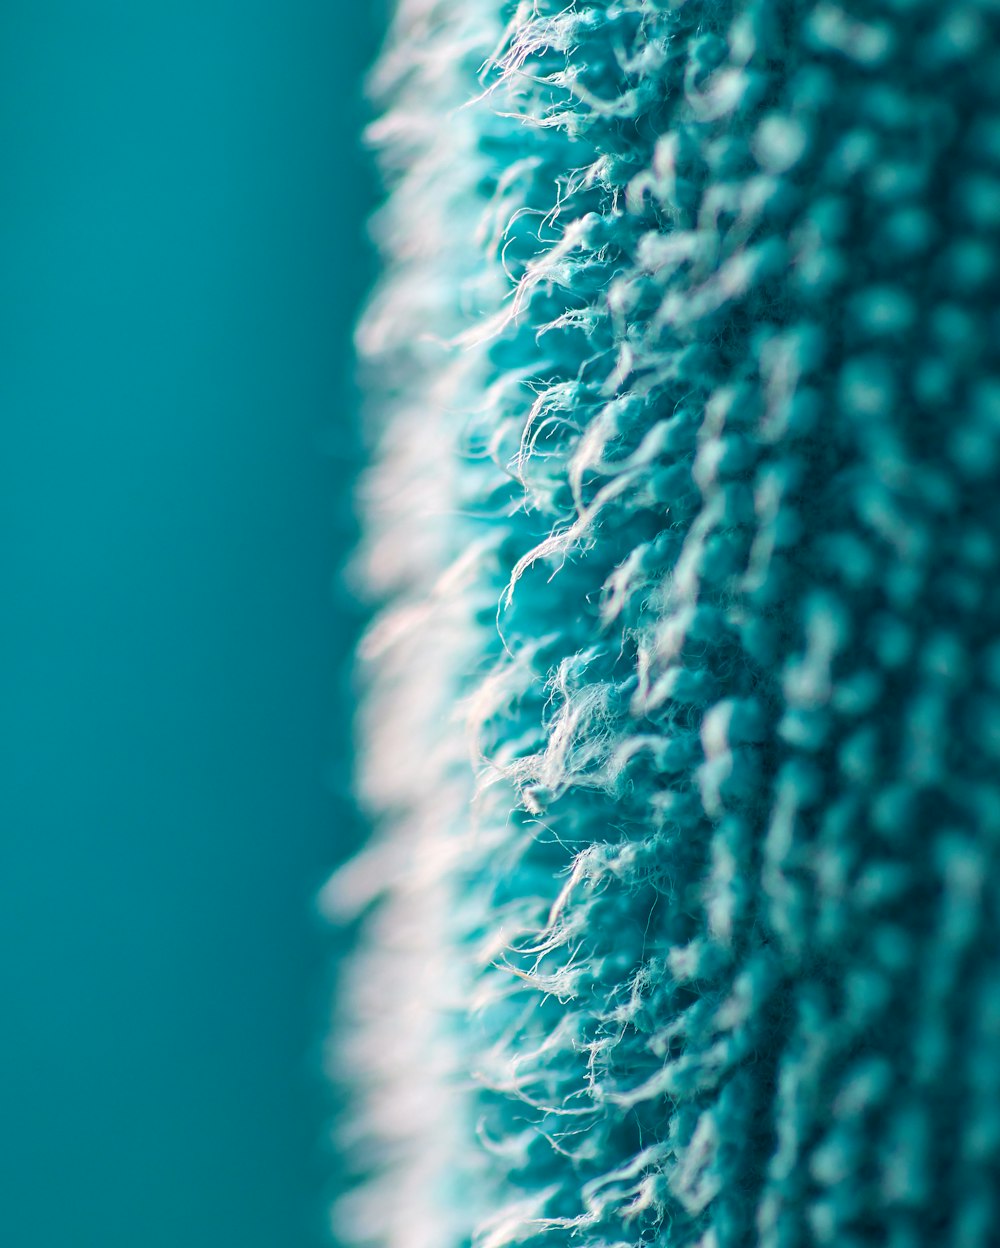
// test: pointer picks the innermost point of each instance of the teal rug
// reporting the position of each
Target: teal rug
(683, 715)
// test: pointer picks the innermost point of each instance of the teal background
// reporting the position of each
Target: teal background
(181, 257)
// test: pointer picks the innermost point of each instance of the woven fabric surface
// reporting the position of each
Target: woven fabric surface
(683, 718)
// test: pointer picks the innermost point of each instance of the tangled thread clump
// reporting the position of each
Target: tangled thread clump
(687, 383)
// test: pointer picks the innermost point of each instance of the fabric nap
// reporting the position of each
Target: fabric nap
(682, 726)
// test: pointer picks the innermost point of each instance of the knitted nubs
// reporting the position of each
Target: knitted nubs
(683, 727)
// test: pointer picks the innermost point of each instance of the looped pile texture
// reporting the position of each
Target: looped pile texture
(686, 512)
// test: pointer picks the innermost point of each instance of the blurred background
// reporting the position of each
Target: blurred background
(182, 256)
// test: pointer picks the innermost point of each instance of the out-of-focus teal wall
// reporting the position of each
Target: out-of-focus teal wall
(180, 259)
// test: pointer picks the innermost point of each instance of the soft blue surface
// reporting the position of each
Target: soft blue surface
(180, 258)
